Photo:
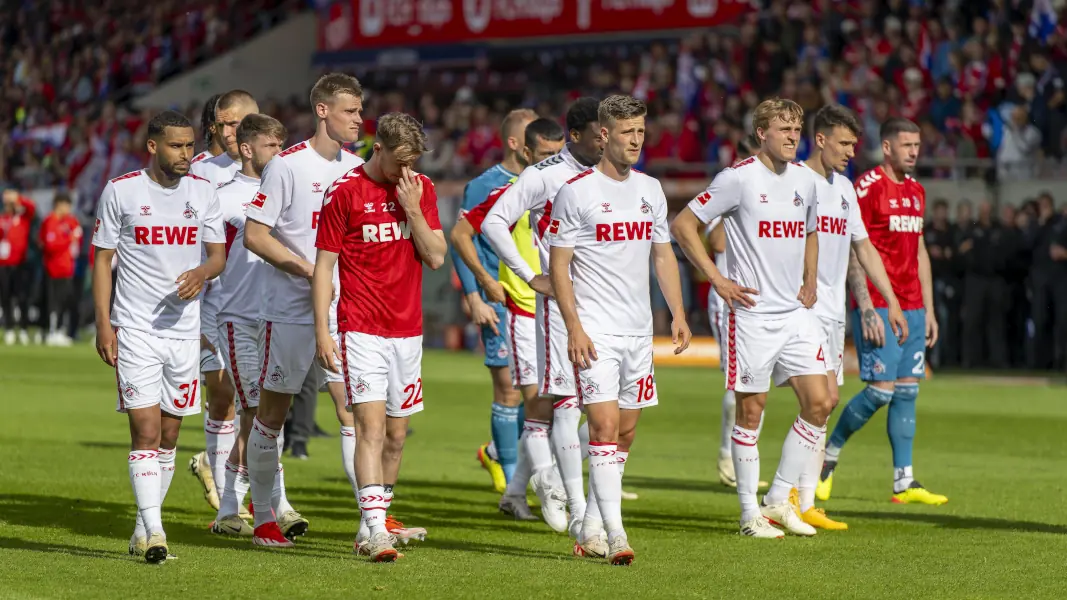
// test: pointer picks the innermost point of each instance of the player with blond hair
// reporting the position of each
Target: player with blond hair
(768, 204)
(379, 226)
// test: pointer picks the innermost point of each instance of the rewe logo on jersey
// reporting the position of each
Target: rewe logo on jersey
(906, 223)
(159, 235)
(833, 225)
(619, 232)
(781, 229)
(386, 232)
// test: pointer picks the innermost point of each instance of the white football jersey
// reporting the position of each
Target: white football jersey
(240, 289)
(216, 169)
(840, 224)
(611, 225)
(158, 233)
(289, 201)
(206, 154)
(533, 191)
(767, 217)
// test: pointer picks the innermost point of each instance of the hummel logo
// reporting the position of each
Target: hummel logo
(146, 211)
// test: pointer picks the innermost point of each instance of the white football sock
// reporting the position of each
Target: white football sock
(278, 501)
(538, 449)
(902, 479)
(373, 507)
(145, 479)
(229, 503)
(568, 448)
(746, 468)
(219, 437)
(491, 451)
(729, 417)
(262, 455)
(166, 472)
(520, 480)
(606, 480)
(348, 457)
(583, 439)
(810, 478)
(799, 452)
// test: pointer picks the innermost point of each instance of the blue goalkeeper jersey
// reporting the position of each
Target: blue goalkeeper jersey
(476, 191)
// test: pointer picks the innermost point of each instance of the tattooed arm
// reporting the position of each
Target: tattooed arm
(873, 329)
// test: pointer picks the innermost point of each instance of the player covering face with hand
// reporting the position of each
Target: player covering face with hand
(158, 219)
(379, 226)
(769, 209)
(606, 222)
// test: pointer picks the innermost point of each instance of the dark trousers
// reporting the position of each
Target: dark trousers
(1048, 297)
(58, 295)
(301, 420)
(15, 292)
(1017, 319)
(946, 302)
(985, 313)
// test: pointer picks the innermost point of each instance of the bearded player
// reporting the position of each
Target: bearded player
(606, 223)
(259, 138)
(159, 220)
(554, 414)
(485, 299)
(280, 228)
(836, 131)
(892, 204)
(379, 227)
(768, 204)
(542, 138)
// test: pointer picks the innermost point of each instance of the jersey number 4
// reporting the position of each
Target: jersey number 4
(414, 392)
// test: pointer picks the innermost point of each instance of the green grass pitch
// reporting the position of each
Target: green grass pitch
(996, 449)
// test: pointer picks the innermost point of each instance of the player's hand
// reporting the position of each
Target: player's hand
(873, 331)
(205, 344)
(807, 295)
(107, 345)
(734, 294)
(483, 315)
(190, 283)
(326, 353)
(580, 349)
(494, 292)
(898, 324)
(409, 190)
(680, 335)
(931, 329)
(542, 285)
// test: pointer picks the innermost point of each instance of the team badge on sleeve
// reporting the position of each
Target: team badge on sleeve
(259, 200)
(554, 227)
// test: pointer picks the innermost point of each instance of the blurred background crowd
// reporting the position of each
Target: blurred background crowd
(983, 78)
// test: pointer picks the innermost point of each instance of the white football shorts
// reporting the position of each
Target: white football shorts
(758, 347)
(327, 376)
(209, 328)
(833, 348)
(522, 360)
(240, 345)
(623, 371)
(287, 351)
(554, 368)
(378, 368)
(152, 371)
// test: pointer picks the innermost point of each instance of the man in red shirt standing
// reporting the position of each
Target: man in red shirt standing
(16, 218)
(61, 238)
(378, 226)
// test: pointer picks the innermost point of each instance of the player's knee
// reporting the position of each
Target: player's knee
(748, 414)
(540, 408)
(880, 395)
(626, 438)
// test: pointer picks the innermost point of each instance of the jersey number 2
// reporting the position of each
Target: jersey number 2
(414, 392)
(920, 364)
(188, 399)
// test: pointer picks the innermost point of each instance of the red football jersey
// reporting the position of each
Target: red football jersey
(893, 215)
(379, 267)
(476, 215)
(61, 239)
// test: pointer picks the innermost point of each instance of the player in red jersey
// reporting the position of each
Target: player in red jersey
(379, 225)
(892, 204)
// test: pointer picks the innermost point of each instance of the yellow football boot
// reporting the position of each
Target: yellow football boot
(917, 494)
(500, 483)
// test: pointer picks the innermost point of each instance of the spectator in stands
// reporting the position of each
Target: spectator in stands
(940, 237)
(1048, 292)
(16, 219)
(1020, 146)
(1016, 265)
(60, 238)
(982, 255)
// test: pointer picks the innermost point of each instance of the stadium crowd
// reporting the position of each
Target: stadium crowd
(984, 84)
